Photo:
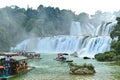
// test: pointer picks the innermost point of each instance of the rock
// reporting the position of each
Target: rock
(86, 57)
(75, 54)
(81, 69)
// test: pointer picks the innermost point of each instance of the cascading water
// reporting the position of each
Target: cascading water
(84, 39)
(82, 29)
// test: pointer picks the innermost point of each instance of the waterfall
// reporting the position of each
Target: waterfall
(81, 29)
(85, 39)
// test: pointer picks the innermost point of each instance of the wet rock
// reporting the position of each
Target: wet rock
(86, 57)
(81, 69)
(75, 54)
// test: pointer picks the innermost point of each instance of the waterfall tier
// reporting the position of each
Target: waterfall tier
(84, 39)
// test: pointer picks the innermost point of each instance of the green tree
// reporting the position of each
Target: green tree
(4, 41)
(116, 46)
(116, 31)
(83, 17)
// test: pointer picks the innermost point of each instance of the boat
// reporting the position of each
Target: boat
(30, 55)
(61, 58)
(64, 60)
(12, 64)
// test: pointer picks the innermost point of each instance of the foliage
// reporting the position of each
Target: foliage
(45, 21)
(107, 56)
(116, 31)
(81, 69)
(89, 66)
(83, 17)
(116, 58)
(29, 25)
(116, 46)
(100, 17)
(4, 42)
(20, 23)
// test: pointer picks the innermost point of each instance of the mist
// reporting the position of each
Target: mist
(18, 24)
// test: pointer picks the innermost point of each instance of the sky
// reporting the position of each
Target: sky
(77, 6)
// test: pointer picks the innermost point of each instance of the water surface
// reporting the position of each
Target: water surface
(49, 69)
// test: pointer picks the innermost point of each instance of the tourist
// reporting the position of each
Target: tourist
(11, 70)
(61, 57)
(7, 59)
(24, 64)
(6, 70)
(1, 70)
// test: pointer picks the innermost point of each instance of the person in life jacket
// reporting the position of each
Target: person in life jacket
(1, 69)
(61, 57)
(17, 65)
(6, 68)
(7, 59)
(24, 64)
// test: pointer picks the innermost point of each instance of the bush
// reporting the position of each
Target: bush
(100, 57)
(107, 56)
(116, 46)
(116, 58)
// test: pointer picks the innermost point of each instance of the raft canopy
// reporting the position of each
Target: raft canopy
(14, 56)
(18, 58)
(2, 57)
(8, 54)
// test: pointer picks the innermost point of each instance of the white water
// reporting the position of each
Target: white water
(85, 39)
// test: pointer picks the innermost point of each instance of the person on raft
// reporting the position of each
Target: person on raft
(61, 57)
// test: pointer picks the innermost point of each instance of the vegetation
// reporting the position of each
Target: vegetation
(113, 55)
(20, 23)
(4, 42)
(107, 56)
(81, 69)
(116, 30)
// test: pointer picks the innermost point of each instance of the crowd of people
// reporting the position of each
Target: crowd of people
(29, 54)
(9, 66)
(5, 66)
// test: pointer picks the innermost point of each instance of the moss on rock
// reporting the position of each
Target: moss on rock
(81, 69)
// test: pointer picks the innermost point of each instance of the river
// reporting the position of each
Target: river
(49, 69)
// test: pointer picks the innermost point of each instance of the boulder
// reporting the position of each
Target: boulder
(81, 69)
(86, 57)
(75, 54)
